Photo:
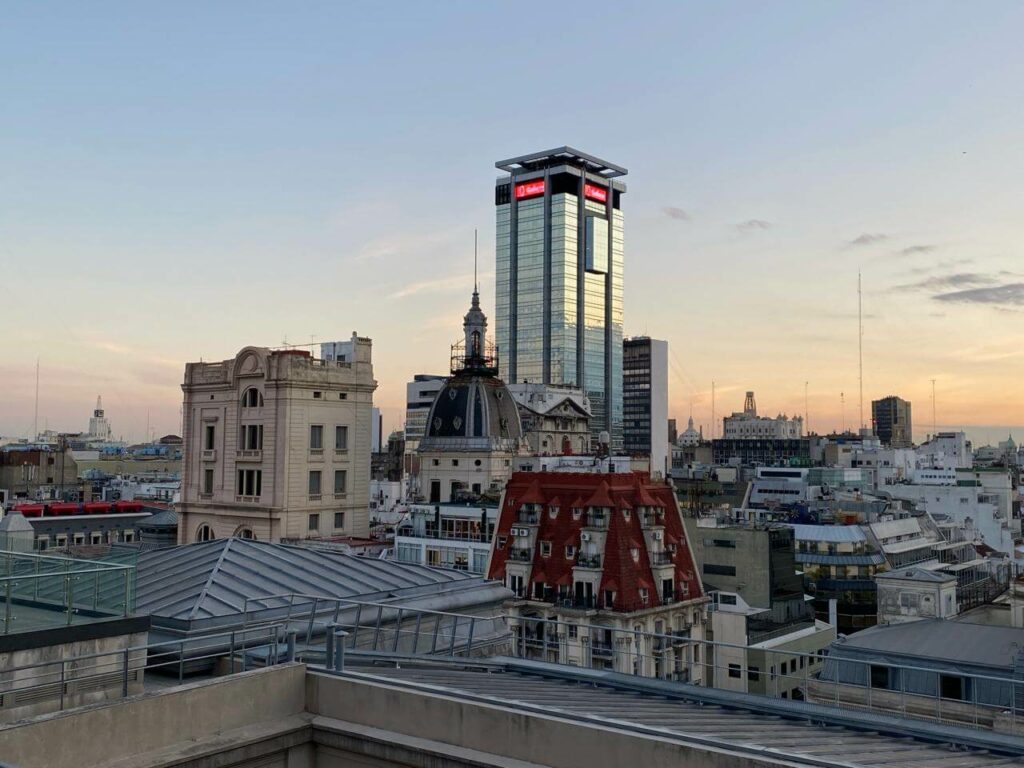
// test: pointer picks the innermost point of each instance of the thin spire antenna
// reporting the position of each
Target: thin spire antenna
(860, 346)
(476, 284)
(935, 428)
(35, 419)
(713, 422)
(807, 418)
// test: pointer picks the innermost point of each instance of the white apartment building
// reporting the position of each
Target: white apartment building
(447, 535)
(746, 424)
(277, 445)
(950, 450)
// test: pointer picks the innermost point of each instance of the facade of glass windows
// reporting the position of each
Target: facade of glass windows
(559, 277)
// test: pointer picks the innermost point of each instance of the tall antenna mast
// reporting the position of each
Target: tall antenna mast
(860, 346)
(807, 418)
(842, 408)
(35, 419)
(713, 423)
(476, 285)
(935, 428)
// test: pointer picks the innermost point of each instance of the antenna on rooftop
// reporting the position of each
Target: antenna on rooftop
(476, 285)
(807, 419)
(935, 429)
(860, 347)
(35, 420)
(713, 425)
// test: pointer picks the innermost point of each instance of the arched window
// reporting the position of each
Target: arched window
(252, 398)
(205, 533)
(245, 533)
(475, 351)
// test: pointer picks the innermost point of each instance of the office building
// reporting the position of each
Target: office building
(277, 445)
(473, 431)
(645, 401)
(559, 277)
(419, 396)
(99, 426)
(452, 535)
(892, 422)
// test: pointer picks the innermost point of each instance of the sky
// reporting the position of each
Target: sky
(180, 180)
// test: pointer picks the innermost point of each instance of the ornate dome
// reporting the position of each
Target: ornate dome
(474, 411)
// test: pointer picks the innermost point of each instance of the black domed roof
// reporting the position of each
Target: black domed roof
(473, 412)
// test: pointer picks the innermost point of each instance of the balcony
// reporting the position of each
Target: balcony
(597, 520)
(316, 455)
(247, 499)
(588, 561)
(249, 454)
(210, 454)
(315, 497)
(528, 518)
(340, 496)
(661, 558)
(520, 555)
(602, 649)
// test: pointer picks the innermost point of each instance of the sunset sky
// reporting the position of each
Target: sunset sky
(181, 180)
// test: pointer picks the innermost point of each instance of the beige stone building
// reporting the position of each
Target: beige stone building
(277, 446)
(555, 419)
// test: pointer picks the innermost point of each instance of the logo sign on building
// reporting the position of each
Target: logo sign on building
(594, 192)
(529, 189)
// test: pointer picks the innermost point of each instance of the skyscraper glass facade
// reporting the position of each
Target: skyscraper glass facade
(559, 278)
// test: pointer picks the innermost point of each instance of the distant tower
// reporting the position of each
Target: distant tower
(749, 406)
(99, 427)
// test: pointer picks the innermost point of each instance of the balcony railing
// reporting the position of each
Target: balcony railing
(250, 454)
(661, 558)
(529, 518)
(596, 520)
(588, 561)
(520, 555)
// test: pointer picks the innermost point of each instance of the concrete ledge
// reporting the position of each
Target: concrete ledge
(201, 712)
(344, 738)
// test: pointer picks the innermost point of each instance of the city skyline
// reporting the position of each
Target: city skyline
(215, 197)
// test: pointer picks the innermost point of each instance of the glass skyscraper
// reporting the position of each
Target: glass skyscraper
(559, 277)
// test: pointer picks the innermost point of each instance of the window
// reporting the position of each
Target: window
(314, 482)
(129, 536)
(252, 398)
(722, 543)
(318, 395)
(545, 548)
(951, 687)
(252, 437)
(95, 537)
(245, 533)
(502, 540)
(249, 482)
(735, 670)
(339, 519)
(754, 674)
(316, 437)
(573, 631)
(609, 598)
(340, 481)
(879, 676)
(477, 463)
(435, 462)
(209, 437)
(314, 522)
(455, 462)
(204, 533)
(725, 599)
(343, 395)
(207, 481)
(712, 569)
(644, 596)
(570, 551)
(341, 438)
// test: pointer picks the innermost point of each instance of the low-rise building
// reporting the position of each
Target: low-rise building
(911, 594)
(555, 419)
(451, 535)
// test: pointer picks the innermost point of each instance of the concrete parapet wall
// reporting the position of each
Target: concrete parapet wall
(197, 719)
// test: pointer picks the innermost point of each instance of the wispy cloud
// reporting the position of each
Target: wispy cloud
(1011, 294)
(959, 281)
(868, 238)
(913, 250)
(676, 213)
(439, 285)
(751, 225)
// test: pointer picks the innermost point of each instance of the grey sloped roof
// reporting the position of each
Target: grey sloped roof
(160, 518)
(916, 574)
(213, 579)
(939, 640)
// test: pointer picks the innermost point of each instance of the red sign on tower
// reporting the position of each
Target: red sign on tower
(594, 192)
(529, 189)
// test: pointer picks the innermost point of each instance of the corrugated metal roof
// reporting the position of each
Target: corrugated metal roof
(213, 579)
(941, 640)
(817, 558)
(827, 532)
